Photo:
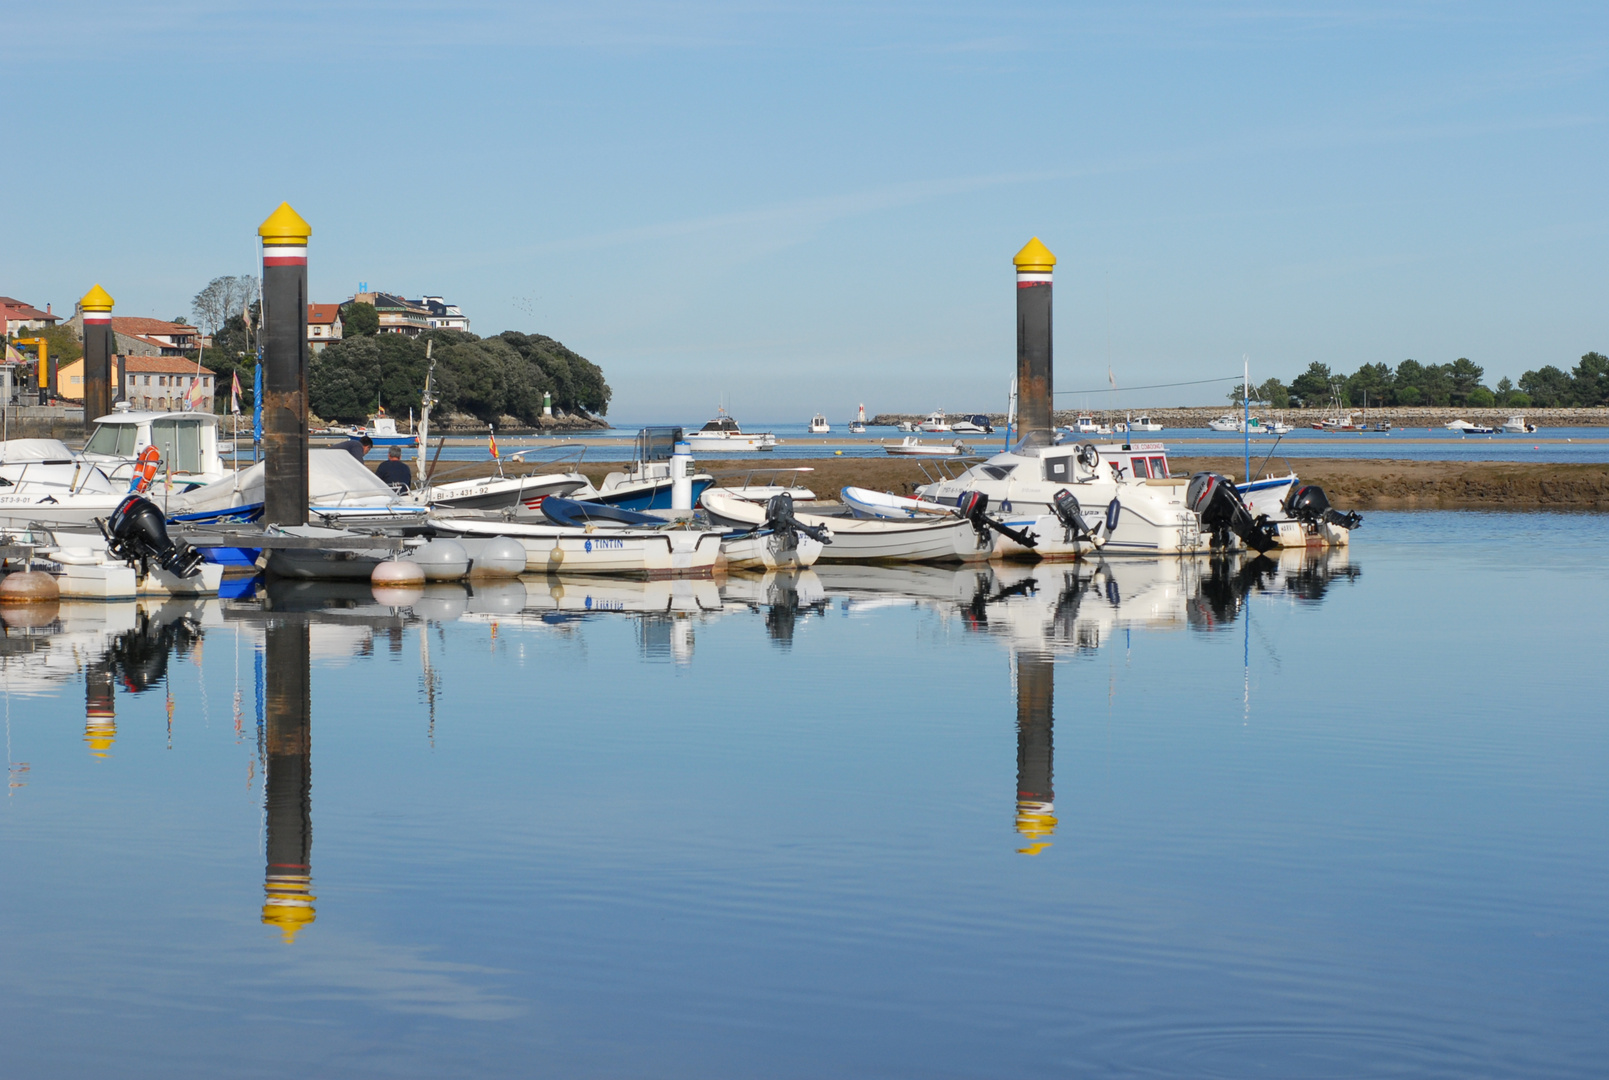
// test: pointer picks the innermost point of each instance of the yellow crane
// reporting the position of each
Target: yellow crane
(45, 373)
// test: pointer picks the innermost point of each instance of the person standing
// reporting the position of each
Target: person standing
(356, 447)
(394, 471)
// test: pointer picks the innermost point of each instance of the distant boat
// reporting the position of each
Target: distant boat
(935, 424)
(1516, 425)
(1464, 427)
(1139, 423)
(972, 425)
(819, 425)
(857, 427)
(723, 433)
(382, 431)
(1088, 425)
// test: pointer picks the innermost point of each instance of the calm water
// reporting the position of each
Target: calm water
(1319, 818)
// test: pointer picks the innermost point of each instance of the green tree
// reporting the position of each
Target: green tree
(1312, 387)
(62, 344)
(1480, 398)
(1371, 384)
(1590, 380)
(1463, 378)
(1275, 393)
(359, 320)
(1548, 387)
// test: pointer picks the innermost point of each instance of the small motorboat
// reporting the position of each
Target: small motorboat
(935, 424)
(1464, 427)
(977, 424)
(382, 431)
(864, 502)
(1226, 422)
(1139, 423)
(1335, 423)
(780, 542)
(854, 539)
(1088, 425)
(661, 551)
(911, 446)
(1516, 425)
(857, 427)
(819, 425)
(724, 433)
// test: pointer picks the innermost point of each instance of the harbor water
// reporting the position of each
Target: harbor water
(1334, 815)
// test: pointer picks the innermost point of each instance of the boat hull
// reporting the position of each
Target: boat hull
(551, 549)
(770, 551)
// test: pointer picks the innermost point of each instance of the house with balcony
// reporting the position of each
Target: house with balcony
(160, 383)
(443, 316)
(397, 316)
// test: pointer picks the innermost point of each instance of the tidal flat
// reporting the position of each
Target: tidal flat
(1337, 814)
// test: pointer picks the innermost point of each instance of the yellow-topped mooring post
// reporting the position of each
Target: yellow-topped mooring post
(96, 308)
(1036, 795)
(288, 775)
(1035, 397)
(285, 237)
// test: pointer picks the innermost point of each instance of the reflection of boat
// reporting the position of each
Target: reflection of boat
(911, 446)
(819, 425)
(1464, 427)
(723, 433)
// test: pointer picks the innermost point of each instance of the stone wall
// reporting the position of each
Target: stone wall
(1400, 416)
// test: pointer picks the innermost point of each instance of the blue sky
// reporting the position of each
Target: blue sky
(801, 207)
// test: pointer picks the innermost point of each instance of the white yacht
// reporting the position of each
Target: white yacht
(935, 424)
(724, 433)
(1139, 423)
(819, 425)
(1088, 425)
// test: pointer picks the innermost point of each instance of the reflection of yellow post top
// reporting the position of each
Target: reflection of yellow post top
(1034, 258)
(1035, 822)
(100, 732)
(288, 903)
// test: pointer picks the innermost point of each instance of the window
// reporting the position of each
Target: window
(113, 440)
(1159, 468)
(1139, 468)
(180, 444)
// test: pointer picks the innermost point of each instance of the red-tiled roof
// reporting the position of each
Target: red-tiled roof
(16, 309)
(323, 313)
(138, 327)
(161, 365)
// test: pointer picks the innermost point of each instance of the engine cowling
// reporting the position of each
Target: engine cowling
(1308, 504)
(1221, 510)
(137, 532)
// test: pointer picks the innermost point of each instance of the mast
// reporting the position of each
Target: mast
(424, 417)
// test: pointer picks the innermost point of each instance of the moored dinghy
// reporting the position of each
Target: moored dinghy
(593, 549)
(869, 539)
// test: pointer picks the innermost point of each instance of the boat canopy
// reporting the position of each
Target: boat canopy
(657, 443)
(723, 423)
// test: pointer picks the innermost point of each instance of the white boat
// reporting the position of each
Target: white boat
(85, 570)
(41, 483)
(382, 431)
(819, 425)
(911, 446)
(863, 502)
(857, 427)
(1139, 423)
(520, 496)
(953, 539)
(1088, 425)
(340, 490)
(1226, 422)
(972, 425)
(724, 433)
(935, 424)
(598, 550)
(1464, 427)
(1516, 425)
(906, 426)
(770, 550)
(1342, 422)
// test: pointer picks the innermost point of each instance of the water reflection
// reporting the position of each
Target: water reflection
(288, 776)
(1036, 794)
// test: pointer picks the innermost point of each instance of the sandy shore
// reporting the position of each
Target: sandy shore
(1355, 484)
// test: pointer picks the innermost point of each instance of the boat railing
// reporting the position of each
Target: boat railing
(749, 474)
(537, 456)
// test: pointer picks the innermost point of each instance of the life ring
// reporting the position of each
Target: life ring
(145, 467)
(1088, 456)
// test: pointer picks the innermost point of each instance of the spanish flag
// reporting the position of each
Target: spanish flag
(491, 439)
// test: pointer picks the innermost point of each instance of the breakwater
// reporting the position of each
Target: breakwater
(1421, 416)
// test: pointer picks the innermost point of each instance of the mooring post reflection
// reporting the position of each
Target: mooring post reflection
(100, 707)
(288, 778)
(1036, 795)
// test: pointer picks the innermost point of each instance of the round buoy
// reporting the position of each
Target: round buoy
(29, 587)
(441, 603)
(837, 453)
(30, 616)
(498, 556)
(397, 574)
(442, 560)
(393, 596)
(498, 598)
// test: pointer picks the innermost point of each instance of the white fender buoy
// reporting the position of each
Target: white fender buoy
(498, 556)
(442, 560)
(397, 574)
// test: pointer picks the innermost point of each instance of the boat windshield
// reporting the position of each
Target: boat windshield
(112, 440)
(724, 423)
(179, 442)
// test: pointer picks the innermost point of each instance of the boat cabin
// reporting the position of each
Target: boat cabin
(187, 441)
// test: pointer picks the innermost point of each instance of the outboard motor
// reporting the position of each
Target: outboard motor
(1071, 515)
(972, 504)
(1308, 504)
(779, 518)
(137, 533)
(1218, 505)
